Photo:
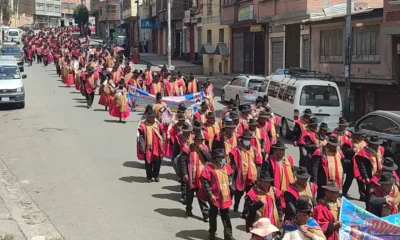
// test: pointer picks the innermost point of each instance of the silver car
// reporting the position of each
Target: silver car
(16, 53)
(243, 89)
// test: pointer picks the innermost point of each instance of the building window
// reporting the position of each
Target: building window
(221, 35)
(72, 6)
(209, 6)
(366, 43)
(165, 4)
(227, 2)
(112, 9)
(57, 9)
(64, 5)
(331, 45)
(209, 36)
(40, 6)
(49, 7)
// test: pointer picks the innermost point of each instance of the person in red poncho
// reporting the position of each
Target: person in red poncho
(327, 211)
(384, 200)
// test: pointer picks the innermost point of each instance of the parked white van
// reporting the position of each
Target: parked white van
(292, 91)
(13, 35)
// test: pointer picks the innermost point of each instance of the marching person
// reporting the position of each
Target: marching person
(201, 113)
(211, 127)
(263, 229)
(216, 184)
(263, 201)
(226, 139)
(308, 142)
(327, 211)
(384, 200)
(156, 86)
(231, 104)
(106, 91)
(192, 85)
(90, 82)
(160, 106)
(341, 132)
(150, 145)
(265, 128)
(388, 165)
(119, 107)
(172, 132)
(148, 78)
(259, 140)
(192, 165)
(299, 125)
(198, 128)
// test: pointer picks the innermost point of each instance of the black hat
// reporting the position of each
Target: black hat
(324, 126)
(388, 164)
(302, 173)
(312, 121)
(121, 82)
(259, 99)
(151, 113)
(307, 112)
(158, 96)
(279, 145)
(253, 122)
(203, 104)
(208, 80)
(90, 69)
(332, 140)
(375, 140)
(303, 204)
(231, 101)
(264, 114)
(186, 127)
(198, 136)
(197, 124)
(180, 117)
(264, 176)
(247, 134)
(182, 107)
(217, 153)
(245, 108)
(331, 186)
(234, 115)
(265, 98)
(342, 122)
(228, 124)
(135, 71)
(387, 178)
(173, 75)
(191, 74)
(210, 115)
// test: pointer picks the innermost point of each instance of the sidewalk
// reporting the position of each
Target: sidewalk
(8, 226)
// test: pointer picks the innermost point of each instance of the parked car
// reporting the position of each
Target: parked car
(384, 124)
(11, 84)
(242, 88)
(16, 52)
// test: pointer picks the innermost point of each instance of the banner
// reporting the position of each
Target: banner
(359, 224)
(138, 100)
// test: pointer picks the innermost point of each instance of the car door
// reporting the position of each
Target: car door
(229, 89)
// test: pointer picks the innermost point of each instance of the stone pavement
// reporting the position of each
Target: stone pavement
(8, 226)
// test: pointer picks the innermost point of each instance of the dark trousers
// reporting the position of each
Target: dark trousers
(184, 187)
(238, 196)
(302, 161)
(226, 221)
(39, 59)
(29, 62)
(190, 196)
(45, 62)
(349, 180)
(90, 98)
(153, 168)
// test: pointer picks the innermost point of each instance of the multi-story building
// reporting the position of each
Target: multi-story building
(215, 40)
(67, 11)
(107, 14)
(131, 20)
(192, 30)
(23, 12)
(87, 3)
(47, 13)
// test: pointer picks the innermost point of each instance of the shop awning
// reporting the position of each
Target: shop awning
(207, 49)
(222, 49)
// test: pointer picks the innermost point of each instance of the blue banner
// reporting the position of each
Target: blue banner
(147, 23)
(138, 100)
(360, 224)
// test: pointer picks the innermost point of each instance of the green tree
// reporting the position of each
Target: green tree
(81, 16)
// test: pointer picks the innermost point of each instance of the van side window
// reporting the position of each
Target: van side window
(264, 86)
(273, 89)
(290, 93)
(282, 92)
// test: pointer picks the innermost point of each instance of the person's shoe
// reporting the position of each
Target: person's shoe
(149, 180)
(244, 215)
(212, 236)
(362, 198)
(189, 213)
(157, 179)
(228, 237)
(184, 202)
(235, 208)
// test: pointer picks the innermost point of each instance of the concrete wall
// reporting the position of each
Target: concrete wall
(364, 72)
(391, 17)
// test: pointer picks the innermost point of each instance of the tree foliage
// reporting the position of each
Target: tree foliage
(81, 15)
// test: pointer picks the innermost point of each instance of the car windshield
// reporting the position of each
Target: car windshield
(255, 83)
(316, 95)
(10, 51)
(13, 33)
(9, 72)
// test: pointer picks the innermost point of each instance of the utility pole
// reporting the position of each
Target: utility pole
(17, 15)
(107, 23)
(347, 62)
(169, 32)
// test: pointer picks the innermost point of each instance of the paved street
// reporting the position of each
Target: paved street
(79, 167)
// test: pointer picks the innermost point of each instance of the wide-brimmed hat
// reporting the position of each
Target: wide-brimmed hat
(388, 164)
(186, 127)
(245, 108)
(342, 122)
(332, 140)
(247, 134)
(264, 114)
(197, 124)
(198, 136)
(180, 117)
(279, 145)
(217, 153)
(203, 104)
(302, 173)
(234, 115)
(228, 124)
(253, 122)
(313, 121)
(231, 101)
(259, 99)
(151, 113)
(323, 126)
(182, 107)
(263, 227)
(90, 69)
(375, 140)
(387, 178)
(210, 115)
(265, 98)
(355, 131)
(158, 96)
(307, 112)
(303, 204)
(265, 176)
(331, 186)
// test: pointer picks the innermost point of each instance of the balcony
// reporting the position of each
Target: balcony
(130, 12)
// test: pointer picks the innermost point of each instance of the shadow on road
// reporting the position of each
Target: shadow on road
(8, 107)
(176, 188)
(134, 164)
(170, 196)
(100, 110)
(175, 212)
(194, 234)
(241, 228)
(64, 86)
(134, 179)
(76, 92)
(167, 162)
(80, 106)
(79, 99)
(169, 176)
(113, 121)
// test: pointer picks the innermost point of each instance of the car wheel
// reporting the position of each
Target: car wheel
(21, 69)
(222, 96)
(237, 101)
(285, 130)
(21, 105)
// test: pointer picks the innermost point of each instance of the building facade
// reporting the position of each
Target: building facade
(107, 14)
(23, 12)
(47, 13)
(131, 20)
(67, 11)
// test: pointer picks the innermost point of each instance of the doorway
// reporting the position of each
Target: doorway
(211, 66)
(292, 45)
(259, 55)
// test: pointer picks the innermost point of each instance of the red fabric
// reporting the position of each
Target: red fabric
(376, 177)
(69, 80)
(192, 165)
(277, 174)
(265, 130)
(324, 162)
(149, 77)
(236, 155)
(307, 133)
(264, 136)
(184, 147)
(294, 191)
(157, 150)
(323, 216)
(87, 84)
(105, 99)
(268, 204)
(343, 138)
(173, 132)
(364, 153)
(380, 194)
(197, 115)
(209, 174)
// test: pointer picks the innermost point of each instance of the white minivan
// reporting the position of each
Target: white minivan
(291, 92)
(12, 89)
(13, 35)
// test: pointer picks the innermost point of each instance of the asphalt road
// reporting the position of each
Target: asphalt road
(79, 166)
